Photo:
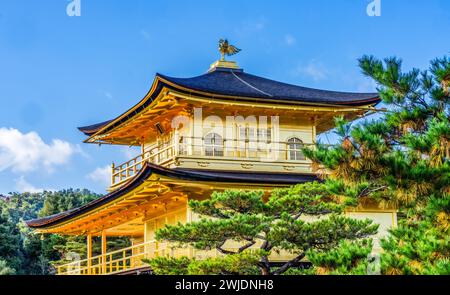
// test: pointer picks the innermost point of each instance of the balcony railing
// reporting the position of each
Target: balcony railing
(130, 168)
(120, 260)
(131, 258)
(190, 146)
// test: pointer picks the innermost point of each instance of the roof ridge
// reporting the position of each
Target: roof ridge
(250, 85)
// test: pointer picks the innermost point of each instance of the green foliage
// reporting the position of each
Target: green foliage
(402, 160)
(169, 265)
(347, 258)
(416, 248)
(28, 253)
(310, 199)
(56, 202)
(244, 263)
(9, 242)
(5, 269)
(269, 226)
(324, 234)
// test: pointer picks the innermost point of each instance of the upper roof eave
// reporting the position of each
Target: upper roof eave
(161, 81)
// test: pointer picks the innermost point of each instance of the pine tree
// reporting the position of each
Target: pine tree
(402, 159)
(349, 258)
(10, 251)
(56, 247)
(5, 269)
(289, 220)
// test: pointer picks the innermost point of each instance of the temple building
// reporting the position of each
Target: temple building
(225, 129)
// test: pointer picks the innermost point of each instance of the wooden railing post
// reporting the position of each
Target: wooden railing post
(103, 251)
(113, 168)
(176, 142)
(110, 263)
(89, 253)
(124, 261)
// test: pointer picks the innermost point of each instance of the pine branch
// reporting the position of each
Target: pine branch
(289, 264)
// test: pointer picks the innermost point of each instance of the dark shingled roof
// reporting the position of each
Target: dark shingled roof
(91, 129)
(238, 83)
(234, 83)
(186, 174)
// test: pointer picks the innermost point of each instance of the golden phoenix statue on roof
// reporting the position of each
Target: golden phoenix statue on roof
(226, 48)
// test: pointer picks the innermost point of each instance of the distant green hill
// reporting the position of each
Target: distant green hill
(24, 252)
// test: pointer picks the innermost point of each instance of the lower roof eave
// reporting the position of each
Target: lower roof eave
(206, 176)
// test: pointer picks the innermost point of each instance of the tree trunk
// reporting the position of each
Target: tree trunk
(265, 266)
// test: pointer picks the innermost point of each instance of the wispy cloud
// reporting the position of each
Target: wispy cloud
(251, 26)
(26, 152)
(101, 175)
(23, 186)
(314, 70)
(146, 35)
(289, 40)
(108, 95)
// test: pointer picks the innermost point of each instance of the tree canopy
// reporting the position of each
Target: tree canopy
(24, 252)
(295, 220)
(400, 159)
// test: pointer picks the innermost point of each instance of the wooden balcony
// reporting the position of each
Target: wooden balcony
(122, 260)
(131, 258)
(196, 149)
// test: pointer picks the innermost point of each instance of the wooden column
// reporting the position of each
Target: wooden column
(103, 251)
(314, 132)
(113, 177)
(189, 220)
(176, 142)
(89, 253)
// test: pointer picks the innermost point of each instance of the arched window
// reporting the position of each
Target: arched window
(295, 146)
(213, 145)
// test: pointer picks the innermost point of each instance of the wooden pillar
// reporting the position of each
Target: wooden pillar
(113, 172)
(89, 253)
(189, 219)
(176, 142)
(191, 139)
(314, 133)
(103, 251)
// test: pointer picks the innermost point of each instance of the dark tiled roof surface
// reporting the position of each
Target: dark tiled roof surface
(185, 174)
(91, 129)
(238, 83)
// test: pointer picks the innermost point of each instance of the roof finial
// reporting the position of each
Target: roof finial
(226, 49)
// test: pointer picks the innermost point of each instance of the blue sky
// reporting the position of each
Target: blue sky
(59, 72)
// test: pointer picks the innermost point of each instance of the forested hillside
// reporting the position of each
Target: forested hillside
(24, 252)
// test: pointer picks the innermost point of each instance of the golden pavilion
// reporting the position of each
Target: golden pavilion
(225, 129)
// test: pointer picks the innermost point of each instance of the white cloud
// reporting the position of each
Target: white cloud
(28, 152)
(23, 186)
(101, 175)
(289, 39)
(313, 69)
